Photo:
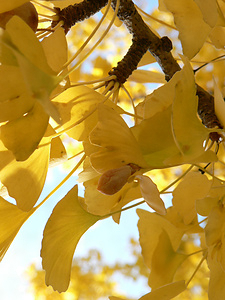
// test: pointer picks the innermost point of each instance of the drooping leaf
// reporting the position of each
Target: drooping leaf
(188, 18)
(22, 135)
(194, 186)
(25, 180)
(165, 262)
(67, 223)
(11, 220)
(166, 292)
(209, 11)
(40, 79)
(189, 132)
(151, 194)
(150, 226)
(144, 76)
(121, 149)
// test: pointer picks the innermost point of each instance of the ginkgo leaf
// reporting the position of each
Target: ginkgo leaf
(11, 220)
(216, 289)
(151, 194)
(9, 5)
(146, 59)
(166, 292)
(55, 48)
(213, 228)
(189, 132)
(217, 37)
(194, 186)
(67, 223)
(188, 18)
(77, 106)
(38, 76)
(121, 149)
(19, 177)
(165, 262)
(219, 104)
(209, 11)
(150, 226)
(22, 135)
(144, 76)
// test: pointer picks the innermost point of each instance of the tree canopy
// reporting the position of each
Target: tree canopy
(133, 100)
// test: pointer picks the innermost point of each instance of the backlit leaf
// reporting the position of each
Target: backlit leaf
(189, 132)
(11, 220)
(188, 19)
(67, 223)
(22, 135)
(165, 262)
(121, 149)
(151, 194)
(194, 186)
(150, 226)
(166, 292)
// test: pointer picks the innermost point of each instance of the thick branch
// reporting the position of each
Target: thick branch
(78, 12)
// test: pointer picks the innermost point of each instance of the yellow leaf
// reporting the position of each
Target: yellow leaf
(74, 106)
(25, 180)
(67, 223)
(150, 227)
(216, 290)
(146, 59)
(15, 101)
(38, 76)
(189, 132)
(217, 37)
(166, 292)
(144, 76)
(219, 104)
(194, 186)
(9, 5)
(22, 136)
(209, 11)
(215, 224)
(11, 220)
(165, 262)
(151, 194)
(55, 48)
(121, 149)
(188, 19)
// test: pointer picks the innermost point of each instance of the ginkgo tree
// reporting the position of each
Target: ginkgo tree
(58, 82)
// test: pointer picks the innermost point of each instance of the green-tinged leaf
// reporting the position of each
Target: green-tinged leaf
(11, 220)
(22, 136)
(25, 180)
(151, 194)
(24, 41)
(38, 76)
(159, 145)
(166, 292)
(165, 262)
(150, 227)
(144, 76)
(189, 132)
(118, 150)
(9, 5)
(67, 223)
(194, 186)
(188, 18)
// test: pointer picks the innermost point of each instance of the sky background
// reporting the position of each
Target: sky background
(107, 236)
